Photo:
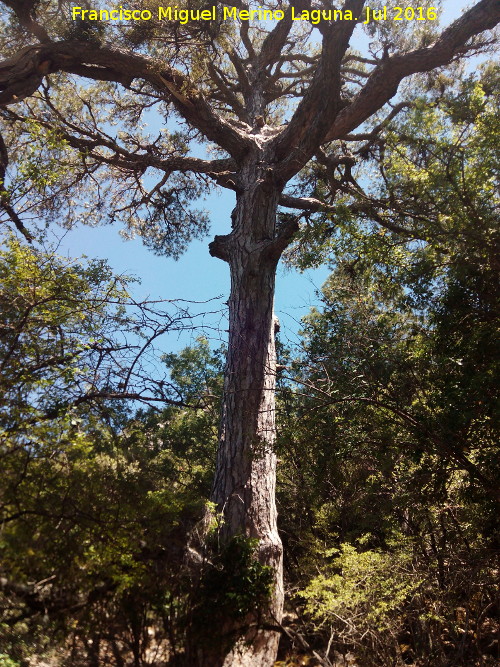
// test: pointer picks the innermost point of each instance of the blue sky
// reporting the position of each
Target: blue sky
(197, 276)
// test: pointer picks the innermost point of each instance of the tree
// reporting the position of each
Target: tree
(437, 267)
(226, 83)
(74, 328)
(390, 432)
(95, 505)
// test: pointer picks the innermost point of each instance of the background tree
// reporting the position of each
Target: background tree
(76, 329)
(396, 491)
(96, 502)
(227, 85)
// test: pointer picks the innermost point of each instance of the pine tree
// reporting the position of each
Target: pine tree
(275, 98)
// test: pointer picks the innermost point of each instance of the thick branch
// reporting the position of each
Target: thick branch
(385, 79)
(310, 122)
(275, 40)
(25, 13)
(312, 205)
(22, 74)
(284, 236)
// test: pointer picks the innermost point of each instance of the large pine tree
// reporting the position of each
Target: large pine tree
(273, 98)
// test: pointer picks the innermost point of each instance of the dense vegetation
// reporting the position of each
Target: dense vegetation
(389, 466)
(391, 437)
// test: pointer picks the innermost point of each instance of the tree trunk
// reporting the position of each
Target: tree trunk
(245, 478)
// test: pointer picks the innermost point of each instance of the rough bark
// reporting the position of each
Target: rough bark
(244, 486)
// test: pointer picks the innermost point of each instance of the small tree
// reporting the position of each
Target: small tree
(95, 506)
(226, 83)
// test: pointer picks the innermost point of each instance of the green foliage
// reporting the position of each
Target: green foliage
(96, 507)
(234, 585)
(409, 320)
(367, 589)
(388, 448)
(45, 160)
(55, 314)
(5, 661)
(390, 436)
(103, 518)
(196, 371)
(431, 191)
